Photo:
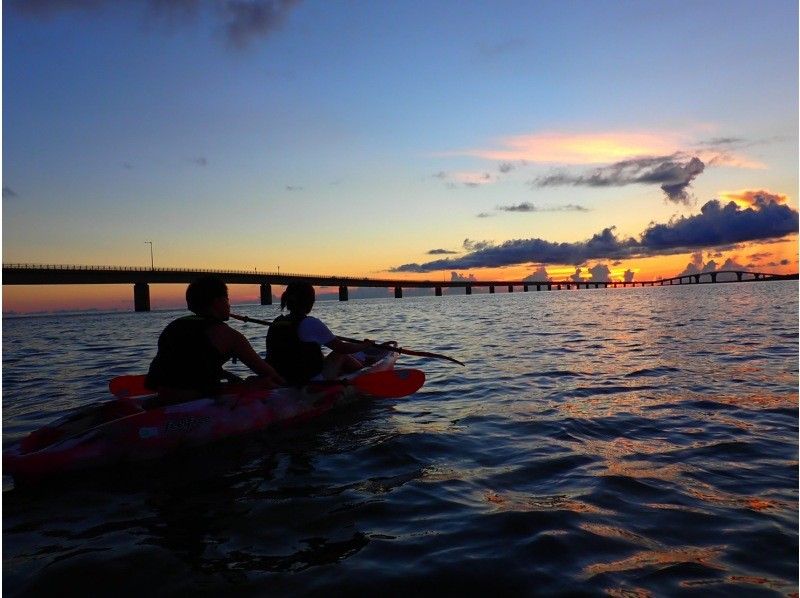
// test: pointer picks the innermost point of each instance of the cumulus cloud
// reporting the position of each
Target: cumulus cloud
(696, 266)
(243, 21)
(716, 225)
(485, 215)
(9, 193)
(628, 275)
(456, 277)
(529, 207)
(750, 197)
(440, 252)
(673, 173)
(505, 167)
(538, 275)
(600, 273)
(472, 245)
(577, 276)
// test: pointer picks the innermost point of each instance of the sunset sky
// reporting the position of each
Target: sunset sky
(425, 140)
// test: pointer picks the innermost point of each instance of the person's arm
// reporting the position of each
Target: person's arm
(236, 345)
(337, 345)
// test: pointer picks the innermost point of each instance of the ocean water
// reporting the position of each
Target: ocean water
(629, 442)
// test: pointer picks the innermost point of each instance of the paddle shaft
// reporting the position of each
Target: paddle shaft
(352, 340)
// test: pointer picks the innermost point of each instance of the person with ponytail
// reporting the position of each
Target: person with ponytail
(295, 341)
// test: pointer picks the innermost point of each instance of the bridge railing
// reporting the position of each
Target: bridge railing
(171, 269)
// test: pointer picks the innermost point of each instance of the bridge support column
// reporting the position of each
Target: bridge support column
(469, 289)
(511, 288)
(398, 292)
(713, 277)
(524, 288)
(141, 296)
(438, 291)
(739, 276)
(696, 278)
(343, 293)
(491, 288)
(266, 293)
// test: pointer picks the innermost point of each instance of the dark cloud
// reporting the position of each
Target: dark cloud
(243, 21)
(715, 225)
(293, 188)
(716, 142)
(456, 277)
(719, 224)
(529, 207)
(484, 215)
(628, 276)
(673, 173)
(200, 161)
(246, 20)
(577, 277)
(9, 193)
(441, 252)
(505, 167)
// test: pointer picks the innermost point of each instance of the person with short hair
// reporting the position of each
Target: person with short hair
(193, 349)
(294, 341)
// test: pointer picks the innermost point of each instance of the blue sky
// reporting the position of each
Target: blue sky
(352, 138)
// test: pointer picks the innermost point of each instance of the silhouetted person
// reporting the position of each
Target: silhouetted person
(294, 341)
(193, 349)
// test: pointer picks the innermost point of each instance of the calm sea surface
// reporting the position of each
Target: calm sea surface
(630, 442)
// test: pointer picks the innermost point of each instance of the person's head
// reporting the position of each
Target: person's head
(298, 298)
(208, 296)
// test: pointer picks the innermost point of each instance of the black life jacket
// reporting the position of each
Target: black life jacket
(186, 358)
(295, 360)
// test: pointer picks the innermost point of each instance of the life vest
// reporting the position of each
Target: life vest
(295, 360)
(186, 357)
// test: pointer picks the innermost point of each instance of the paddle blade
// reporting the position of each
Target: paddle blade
(125, 387)
(390, 384)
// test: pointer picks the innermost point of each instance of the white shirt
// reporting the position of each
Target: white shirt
(312, 330)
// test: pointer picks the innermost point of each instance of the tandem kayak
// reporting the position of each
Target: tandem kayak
(135, 428)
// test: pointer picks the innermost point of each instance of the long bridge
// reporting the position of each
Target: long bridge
(141, 278)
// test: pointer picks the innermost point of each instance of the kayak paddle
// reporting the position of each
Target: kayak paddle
(126, 387)
(400, 350)
(390, 384)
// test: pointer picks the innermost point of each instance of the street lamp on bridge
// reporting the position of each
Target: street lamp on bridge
(151, 254)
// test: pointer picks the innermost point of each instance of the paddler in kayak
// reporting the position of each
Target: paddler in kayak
(294, 341)
(193, 349)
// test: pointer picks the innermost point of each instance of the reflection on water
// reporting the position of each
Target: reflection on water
(632, 443)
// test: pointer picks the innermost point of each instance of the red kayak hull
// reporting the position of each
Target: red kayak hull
(122, 430)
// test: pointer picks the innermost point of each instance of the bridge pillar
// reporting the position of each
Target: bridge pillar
(141, 296)
(696, 279)
(511, 288)
(549, 287)
(539, 287)
(491, 288)
(739, 276)
(558, 287)
(398, 292)
(469, 289)
(266, 293)
(342, 293)
(524, 288)
(438, 291)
